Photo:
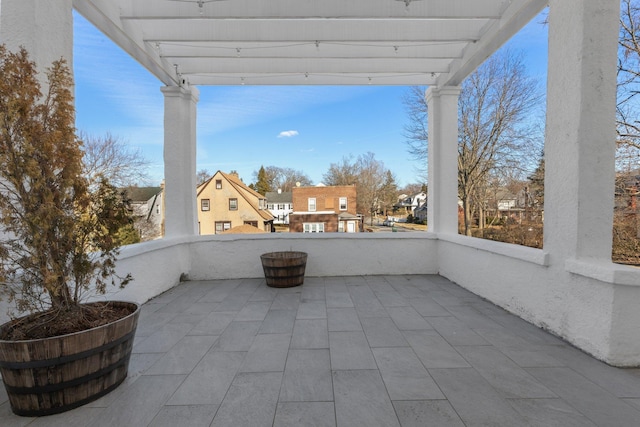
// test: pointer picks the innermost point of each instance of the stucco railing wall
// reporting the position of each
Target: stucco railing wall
(158, 266)
(330, 254)
(594, 306)
(155, 267)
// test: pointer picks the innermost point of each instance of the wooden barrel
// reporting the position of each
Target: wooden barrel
(52, 375)
(284, 269)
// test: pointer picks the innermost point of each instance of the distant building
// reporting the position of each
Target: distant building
(408, 204)
(225, 202)
(147, 210)
(280, 204)
(323, 209)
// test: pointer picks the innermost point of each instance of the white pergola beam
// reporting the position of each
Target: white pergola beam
(444, 39)
(519, 13)
(311, 65)
(310, 30)
(417, 50)
(296, 8)
(338, 79)
(104, 14)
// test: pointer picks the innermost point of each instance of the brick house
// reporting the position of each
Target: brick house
(325, 209)
(224, 202)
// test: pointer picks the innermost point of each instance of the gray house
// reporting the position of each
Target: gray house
(280, 204)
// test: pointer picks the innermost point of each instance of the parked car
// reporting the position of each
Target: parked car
(388, 222)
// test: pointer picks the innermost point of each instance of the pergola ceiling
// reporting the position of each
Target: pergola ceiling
(314, 42)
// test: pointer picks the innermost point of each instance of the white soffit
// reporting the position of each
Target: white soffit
(312, 42)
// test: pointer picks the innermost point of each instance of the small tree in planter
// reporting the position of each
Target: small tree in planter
(57, 243)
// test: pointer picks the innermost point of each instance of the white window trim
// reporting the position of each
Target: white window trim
(340, 203)
(202, 205)
(226, 225)
(312, 202)
(313, 227)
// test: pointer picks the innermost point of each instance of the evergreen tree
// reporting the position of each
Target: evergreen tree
(262, 185)
(536, 184)
(388, 192)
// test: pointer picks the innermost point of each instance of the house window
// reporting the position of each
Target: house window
(343, 203)
(204, 205)
(262, 203)
(222, 226)
(340, 226)
(313, 227)
(233, 204)
(270, 206)
(254, 223)
(312, 204)
(218, 184)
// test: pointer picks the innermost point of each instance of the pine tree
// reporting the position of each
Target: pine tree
(262, 185)
(536, 184)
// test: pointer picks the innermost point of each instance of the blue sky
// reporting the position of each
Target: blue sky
(243, 127)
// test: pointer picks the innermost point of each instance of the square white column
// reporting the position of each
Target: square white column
(442, 199)
(43, 28)
(180, 160)
(580, 132)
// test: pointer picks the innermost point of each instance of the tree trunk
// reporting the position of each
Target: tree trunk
(466, 205)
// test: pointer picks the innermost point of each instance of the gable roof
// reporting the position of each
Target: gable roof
(283, 197)
(242, 189)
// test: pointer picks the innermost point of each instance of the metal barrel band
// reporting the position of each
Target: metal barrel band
(64, 408)
(287, 277)
(51, 388)
(35, 364)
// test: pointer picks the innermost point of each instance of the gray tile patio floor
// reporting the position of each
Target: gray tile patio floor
(350, 351)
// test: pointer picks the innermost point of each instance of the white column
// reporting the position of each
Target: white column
(580, 133)
(442, 202)
(180, 160)
(43, 28)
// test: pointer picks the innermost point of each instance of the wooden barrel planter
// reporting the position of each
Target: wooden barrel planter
(52, 375)
(284, 269)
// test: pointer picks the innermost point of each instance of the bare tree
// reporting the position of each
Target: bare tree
(495, 106)
(370, 177)
(287, 178)
(283, 178)
(628, 112)
(343, 173)
(112, 158)
(202, 176)
(416, 131)
(497, 129)
(414, 188)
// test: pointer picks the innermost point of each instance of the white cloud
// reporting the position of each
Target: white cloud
(288, 134)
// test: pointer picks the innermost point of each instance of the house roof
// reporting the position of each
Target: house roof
(242, 189)
(142, 194)
(275, 197)
(292, 42)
